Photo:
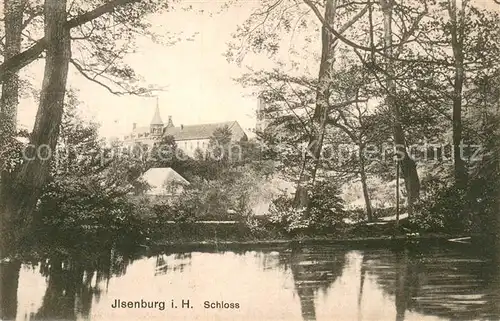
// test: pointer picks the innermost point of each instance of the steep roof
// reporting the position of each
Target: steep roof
(200, 131)
(188, 132)
(161, 177)
(156, 117)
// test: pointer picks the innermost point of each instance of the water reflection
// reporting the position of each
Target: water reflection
(314, 270)
(71, 284)
(447, 284)
(178, 263)
(306, 283)
(9, 277)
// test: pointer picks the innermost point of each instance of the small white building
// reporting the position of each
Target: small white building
(164, 182)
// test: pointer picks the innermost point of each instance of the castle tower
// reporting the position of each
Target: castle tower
(156, 126)
(261, 122)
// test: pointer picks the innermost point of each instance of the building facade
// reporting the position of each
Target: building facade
(261, 120)
(188, 138)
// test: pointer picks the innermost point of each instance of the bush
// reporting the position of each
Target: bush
(327, 207)
(285, 216)
(88, 222)
(443, 208)
(324, 214)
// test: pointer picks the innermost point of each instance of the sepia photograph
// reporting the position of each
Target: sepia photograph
(243, 160)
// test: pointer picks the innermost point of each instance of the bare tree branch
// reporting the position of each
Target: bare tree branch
(336, 33)
(303, 124)
(83, 72)
(335, 107)
(97, 12)
(29, 55)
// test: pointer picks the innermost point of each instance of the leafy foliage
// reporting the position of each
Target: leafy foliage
(325, 214)
(10, 149)
(85, 203)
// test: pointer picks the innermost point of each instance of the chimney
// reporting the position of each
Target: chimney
(170, 122)
(134, 126)
(182, 126)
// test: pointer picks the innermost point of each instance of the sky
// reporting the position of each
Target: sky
(200, 86)
(199, 82)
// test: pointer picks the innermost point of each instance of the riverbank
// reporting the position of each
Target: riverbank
(390, 242)
(380, 233)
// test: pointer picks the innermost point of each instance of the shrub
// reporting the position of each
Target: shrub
(327, 207)
(442, 208)
(87, 221)
(285, 216)
(324, 214)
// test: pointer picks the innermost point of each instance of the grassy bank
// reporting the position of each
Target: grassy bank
(355, 243)
(265, 234)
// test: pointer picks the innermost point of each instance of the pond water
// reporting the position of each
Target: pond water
(307, 283)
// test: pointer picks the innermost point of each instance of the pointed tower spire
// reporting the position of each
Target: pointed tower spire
(157, 118)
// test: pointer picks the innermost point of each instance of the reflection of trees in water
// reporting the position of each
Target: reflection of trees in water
(314, 269)
(9, 278)
(64, 281)
(440, 283)
(171, 263)
(74, 282)
(269, 260)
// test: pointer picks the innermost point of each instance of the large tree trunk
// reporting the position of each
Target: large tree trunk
(364, 184)
(408, 166)
(328, 44)
(27, 187)
(10, 88)
(496, 216)
(457, 41)
(9, 102)
(9, 270)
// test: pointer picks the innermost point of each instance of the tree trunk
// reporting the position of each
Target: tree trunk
(408, 166)
(496, 216)
(9, 102)
(33, 174)
(328, 44)
(10, 88)
(364, 184)
(457, 38)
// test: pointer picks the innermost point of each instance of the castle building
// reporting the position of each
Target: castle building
(188, 138)
(261, 119)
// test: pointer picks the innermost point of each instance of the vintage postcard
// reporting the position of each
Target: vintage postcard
(271, 160)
